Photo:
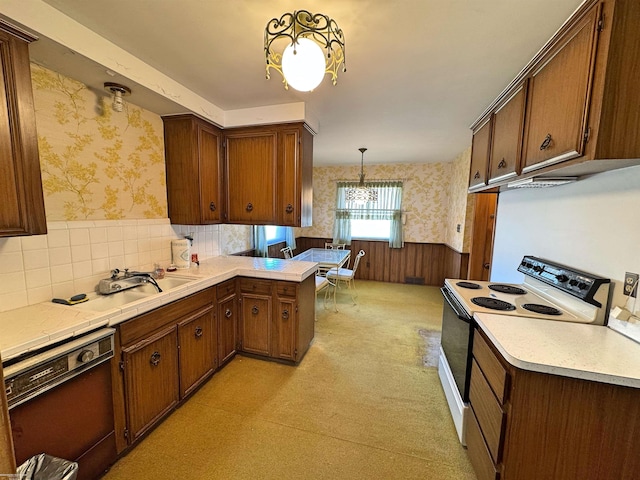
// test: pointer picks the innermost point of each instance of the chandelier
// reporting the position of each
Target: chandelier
(294, 43)
(361, 193)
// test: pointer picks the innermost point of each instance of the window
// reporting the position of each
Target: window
(274, 234)
(381, 219)
(371, 229)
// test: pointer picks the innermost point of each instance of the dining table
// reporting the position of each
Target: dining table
(326, 258)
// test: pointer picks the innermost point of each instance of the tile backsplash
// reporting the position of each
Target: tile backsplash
(73, 256)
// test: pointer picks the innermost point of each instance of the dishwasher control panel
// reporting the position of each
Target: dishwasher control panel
(38, 373)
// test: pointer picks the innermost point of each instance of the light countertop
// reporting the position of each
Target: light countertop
(36, 326)
(588, 352)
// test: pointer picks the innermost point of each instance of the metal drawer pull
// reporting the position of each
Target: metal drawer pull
(212, 207)
(289, 208)
(477, 175)
(198, 332)
(228, 313)
(285, 314)
(249, 207)
(255, 310)
(155, 358)
(502, 164)
(546, 142)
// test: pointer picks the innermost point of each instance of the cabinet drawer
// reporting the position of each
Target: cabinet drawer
(478, 453)
(487, 411)
(147, 323)
(286, 289)
(491, 367)
(226, 288)
(251, 285)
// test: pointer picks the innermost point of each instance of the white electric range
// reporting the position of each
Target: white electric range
(550, 291)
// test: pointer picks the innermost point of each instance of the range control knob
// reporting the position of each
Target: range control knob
(85, 356)
(573, 282)
(582, 285)
(562, 278)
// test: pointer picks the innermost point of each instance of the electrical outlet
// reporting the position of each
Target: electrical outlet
(630, 284)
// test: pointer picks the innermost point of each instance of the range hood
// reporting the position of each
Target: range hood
(541, 182)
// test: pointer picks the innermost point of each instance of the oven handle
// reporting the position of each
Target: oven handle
(455, 305)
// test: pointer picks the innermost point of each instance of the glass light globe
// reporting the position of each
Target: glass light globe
(305, 69)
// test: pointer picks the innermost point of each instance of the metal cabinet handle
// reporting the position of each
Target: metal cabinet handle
(285, 314)
(502, 164)
(546, 142)
(155, 358)
(198, 332)
(249, 207)
(255, 310)
(228, 313)
(212, 206)
(289, 208)
(477, 175)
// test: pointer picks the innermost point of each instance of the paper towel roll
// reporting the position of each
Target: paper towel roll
(181, 253)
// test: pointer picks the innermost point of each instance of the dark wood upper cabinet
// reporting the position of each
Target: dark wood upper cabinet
(193, 157)
(480, 149)
(21, 198)
(580, 98)
(269, 175)
(508, 120)
(559, 92)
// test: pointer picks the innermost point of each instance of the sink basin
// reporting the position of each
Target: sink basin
(102, 303)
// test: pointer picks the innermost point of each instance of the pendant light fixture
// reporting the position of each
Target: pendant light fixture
(361, 193)
(294, 43)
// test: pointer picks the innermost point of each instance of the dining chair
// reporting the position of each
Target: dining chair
(335, 246)
(322, 282)
(346, 275)
(287, 252)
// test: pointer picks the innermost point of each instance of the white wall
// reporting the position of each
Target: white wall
(592, 225)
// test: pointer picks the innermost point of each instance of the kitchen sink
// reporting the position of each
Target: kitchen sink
(102, 303)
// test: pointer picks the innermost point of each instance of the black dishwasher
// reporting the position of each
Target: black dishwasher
(60, 403)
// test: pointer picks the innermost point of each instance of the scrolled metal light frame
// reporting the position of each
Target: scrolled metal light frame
(303, 24)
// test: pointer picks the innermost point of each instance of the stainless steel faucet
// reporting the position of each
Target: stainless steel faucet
(124, 280)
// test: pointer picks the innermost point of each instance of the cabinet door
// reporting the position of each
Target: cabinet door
(151, 380)
(210, 174)
(194, 170)
(197, 343)
(480, 146)
(559, 94)
(506, 144)
(21, 197)
(289, 183)
(255, 322)
(251, 165)
(227, 328)
(283, 335)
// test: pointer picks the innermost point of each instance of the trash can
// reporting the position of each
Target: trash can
(46, 467)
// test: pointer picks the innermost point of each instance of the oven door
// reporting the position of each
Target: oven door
(457, 341)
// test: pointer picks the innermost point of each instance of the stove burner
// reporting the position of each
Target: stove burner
(543, 309)
(507, 289)
(492, 303)
(471, 285)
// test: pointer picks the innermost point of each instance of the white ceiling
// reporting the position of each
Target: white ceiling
(419, 72)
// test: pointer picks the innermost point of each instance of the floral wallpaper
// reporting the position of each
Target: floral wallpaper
(461, 204)
(96, 164)
(427, 197)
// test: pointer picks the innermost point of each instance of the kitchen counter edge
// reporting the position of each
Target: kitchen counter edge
(587, 352)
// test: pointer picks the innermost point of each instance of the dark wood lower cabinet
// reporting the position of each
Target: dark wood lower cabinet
(151, 380)
(198, 348)
(227, 321)
(548, 426)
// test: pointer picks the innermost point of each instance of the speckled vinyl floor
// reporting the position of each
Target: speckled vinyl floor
(365, 403)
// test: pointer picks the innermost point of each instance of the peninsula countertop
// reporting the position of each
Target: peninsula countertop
(36, 326)
(588, 352)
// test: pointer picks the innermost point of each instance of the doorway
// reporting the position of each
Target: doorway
(481, 248)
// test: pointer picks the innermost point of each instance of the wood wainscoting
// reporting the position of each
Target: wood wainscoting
(419, 263)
